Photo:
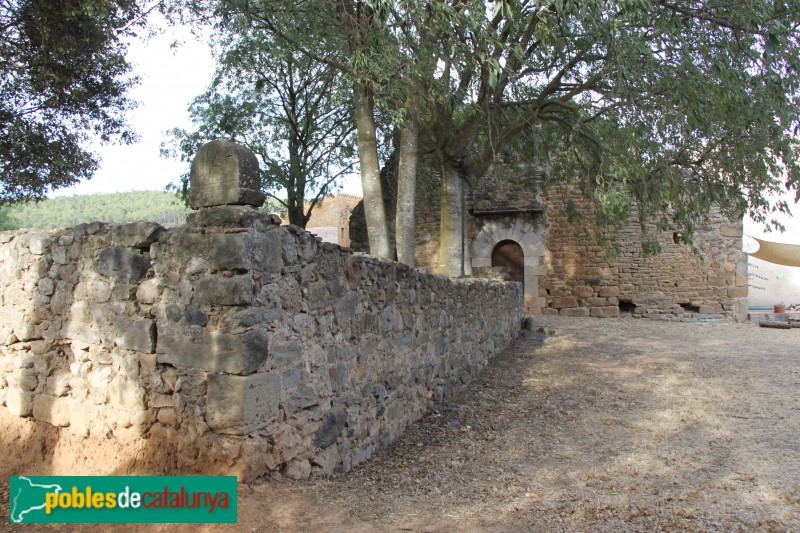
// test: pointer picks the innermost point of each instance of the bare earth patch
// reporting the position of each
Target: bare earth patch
(610, 425)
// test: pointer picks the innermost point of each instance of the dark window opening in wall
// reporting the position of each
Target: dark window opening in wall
(691, 308)
(508, 256)
(627, 306)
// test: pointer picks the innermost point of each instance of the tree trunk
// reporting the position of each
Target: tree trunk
(405, 225)
(374, 210)
(451, 227)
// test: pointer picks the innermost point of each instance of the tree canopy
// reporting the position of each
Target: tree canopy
(674, 106)
(64, 81)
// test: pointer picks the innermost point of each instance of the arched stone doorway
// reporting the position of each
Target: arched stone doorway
(509, 256)
(524, 234)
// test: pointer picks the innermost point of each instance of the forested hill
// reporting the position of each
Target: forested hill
(66, 211)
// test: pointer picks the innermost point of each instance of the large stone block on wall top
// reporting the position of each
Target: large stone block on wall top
(224, 173)
(241, 404)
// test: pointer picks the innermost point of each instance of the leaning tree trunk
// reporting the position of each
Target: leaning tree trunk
(374, 210)
(451, 226)
(406, 193)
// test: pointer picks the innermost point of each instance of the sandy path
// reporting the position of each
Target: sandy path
(610, 425)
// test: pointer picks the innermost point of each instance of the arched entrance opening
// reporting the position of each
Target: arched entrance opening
(509, 256)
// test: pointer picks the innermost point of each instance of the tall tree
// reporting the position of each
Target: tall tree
(64, 81)
(292, 111)
(674, 105)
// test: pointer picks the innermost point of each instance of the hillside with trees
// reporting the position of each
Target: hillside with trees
(120, 207)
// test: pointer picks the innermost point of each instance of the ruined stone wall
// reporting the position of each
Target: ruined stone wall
(229, 345)
(576, 276)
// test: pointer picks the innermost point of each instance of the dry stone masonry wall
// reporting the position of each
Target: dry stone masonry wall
(230, 345)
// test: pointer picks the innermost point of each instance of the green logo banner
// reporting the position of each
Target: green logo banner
(122, 499)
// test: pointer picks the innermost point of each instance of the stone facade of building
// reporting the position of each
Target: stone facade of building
(330, 219)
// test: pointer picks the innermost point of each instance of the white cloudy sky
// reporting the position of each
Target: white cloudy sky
(170, 79)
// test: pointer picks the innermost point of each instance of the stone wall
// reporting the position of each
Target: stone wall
(586, 279)
(566, 271)
(229, 345)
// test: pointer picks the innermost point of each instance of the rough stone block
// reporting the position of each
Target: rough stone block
(305, 324)
(224, 251)
(331, 428)
(46, 286)
(345, 307)
(238, 216)
(121, 264)
(606, 292)
(224, 173)
(127, 398)
(135, 334)
(708, 309)
(328, 460)
(38, 244)
(148, 291)
(19, 403)
(167, 416)
(583, 291)
(287, 351)
(220, 290)
(51, 409)
(574, 311)
(137, 234)
(239, 405)
(298, 469)
(605, 312)
(737, 292)
(263, 250)
(25, 379)
(212, 351)
(565, 301)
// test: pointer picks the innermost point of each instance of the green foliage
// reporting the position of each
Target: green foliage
(289, 109)
(67, 211)
(675, 108)
(64, 78)
(7, 222)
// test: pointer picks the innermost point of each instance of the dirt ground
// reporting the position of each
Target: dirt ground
(610, 425)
